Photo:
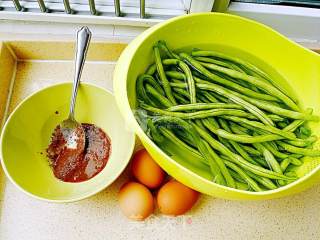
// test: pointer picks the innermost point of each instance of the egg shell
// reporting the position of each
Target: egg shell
(146, 170)
(136, 201)
(174, 198)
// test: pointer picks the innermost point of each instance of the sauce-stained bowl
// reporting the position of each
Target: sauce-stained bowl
(293, 67)
(27, 134)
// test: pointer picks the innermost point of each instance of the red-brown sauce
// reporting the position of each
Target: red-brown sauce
(83, 162)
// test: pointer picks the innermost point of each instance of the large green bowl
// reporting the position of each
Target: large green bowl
(292, 66)
(27, 134)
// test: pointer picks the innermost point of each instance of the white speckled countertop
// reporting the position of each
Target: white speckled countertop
(99, 217)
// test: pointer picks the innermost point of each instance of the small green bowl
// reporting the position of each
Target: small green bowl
(28, 130)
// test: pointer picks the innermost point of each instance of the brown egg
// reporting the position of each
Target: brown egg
(136, 201)
(174, 198)
(146, 170)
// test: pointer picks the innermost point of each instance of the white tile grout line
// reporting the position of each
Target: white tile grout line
(8, 100)
(6, 111)
(13, 54)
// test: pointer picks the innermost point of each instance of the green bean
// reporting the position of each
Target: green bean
(140, 87)
(202, 99)
(246, 177)
(216, 79)
(154, 133)
(179, 124)
(202, 164)
(163, 46)
(262, 180)
(295, 161)
(215, 61)
(212, 98)
(262, 162)
(199, 75)
(220, 98)
(239, 61)
(226, 93)
(274, 145)
(190, 81)
(170, 135)
(180, 99)
(163, 100)
(274, 151)
(303, 132)
(236, 60)
(185, 137)
(261, 104)
(216, 172)
(259, 125)
(251, 150)
(235, 145)
(227, 143)
(202, 147)
(188, 74)
(296, 123)
(202, 106)
(176, 75)
(284, 164)
(151, 69)
(298, 156)
(229, 180)
(174, 80)
(238, 129)
(303, 151)
(241, 68)
(278, 110)
(255, 81)
(236, 176)
(162, 75)
(268, 156)
(282, 125)
(242, 186)
(200, 144)
(303, 143)
(182, 92)
(269, 147)
(275, 118)
(195, 115)
(270, 138)
(238, 159)
(242, 138)
(223, 64)
(241, 82)
(290, 173)
(220, 139)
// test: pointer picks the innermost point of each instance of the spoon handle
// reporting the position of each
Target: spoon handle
(83, 40)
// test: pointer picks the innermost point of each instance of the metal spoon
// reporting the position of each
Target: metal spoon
(72, 131)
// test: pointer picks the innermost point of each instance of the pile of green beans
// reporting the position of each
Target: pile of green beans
(244, 129)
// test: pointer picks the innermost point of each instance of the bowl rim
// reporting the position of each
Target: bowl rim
(130, 52)
(130, 149)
